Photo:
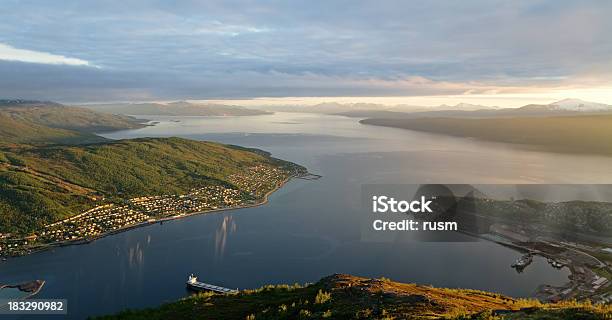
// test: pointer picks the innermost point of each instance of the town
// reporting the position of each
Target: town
(247, 189)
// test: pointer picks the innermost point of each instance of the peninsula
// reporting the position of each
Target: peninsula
(568, 134)
(54, 192)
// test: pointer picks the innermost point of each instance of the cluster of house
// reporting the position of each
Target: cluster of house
(260, 179)
(252, 186)
(92, 223)
(200, 199)
(111, 217)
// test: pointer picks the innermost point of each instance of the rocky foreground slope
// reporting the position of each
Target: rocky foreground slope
(349, 297)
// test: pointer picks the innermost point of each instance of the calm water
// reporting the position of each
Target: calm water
(309, 229)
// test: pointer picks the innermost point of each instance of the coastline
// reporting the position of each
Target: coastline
(545, 292)
(264, 200)
(30, 288)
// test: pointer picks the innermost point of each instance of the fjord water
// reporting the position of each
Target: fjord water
(309, 229)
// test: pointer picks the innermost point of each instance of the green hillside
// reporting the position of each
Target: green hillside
(23, 131)
(56, 115)
(48, 122)
(39, 185)
(349, 297)
(580, 134)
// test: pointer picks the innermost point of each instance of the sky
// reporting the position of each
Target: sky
(426, 52)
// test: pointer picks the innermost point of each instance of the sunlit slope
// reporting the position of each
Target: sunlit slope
(59, 116)
(349, 297)
(581, 134)
(47, 122)
(23, 131)
(39, 185)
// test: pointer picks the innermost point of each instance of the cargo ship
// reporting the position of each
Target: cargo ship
(195, 285)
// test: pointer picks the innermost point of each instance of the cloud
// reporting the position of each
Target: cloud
(219, 28)
(9, 53)
(240, 48)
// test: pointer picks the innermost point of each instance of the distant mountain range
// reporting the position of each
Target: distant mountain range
(178, 108)
(349, 108)
(462, 110)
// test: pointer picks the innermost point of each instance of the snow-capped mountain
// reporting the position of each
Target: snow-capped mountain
(579, 105)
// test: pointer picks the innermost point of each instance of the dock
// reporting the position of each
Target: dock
(194, 284)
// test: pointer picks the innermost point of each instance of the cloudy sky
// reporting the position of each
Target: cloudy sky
(162, 50)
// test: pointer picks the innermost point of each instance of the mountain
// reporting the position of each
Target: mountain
(24, 121)
(576, 134)
(579, 105)
(26, 103)
(53, 165)
(178, 108)
(463, 107)
(22, 131)
(460, 110)
(46, 183)
(566, 107)
(559, 108)
(328, 107)
(368, 109)
(343, 296)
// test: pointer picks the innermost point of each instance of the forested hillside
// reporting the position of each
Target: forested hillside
(48, 122)
(42, 184)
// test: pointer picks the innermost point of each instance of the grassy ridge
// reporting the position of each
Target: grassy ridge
(48, 122)
(42, 184)
(24, 131)
(55, 115)
(349, 297)
(581, 134)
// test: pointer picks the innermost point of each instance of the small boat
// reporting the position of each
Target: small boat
(523, 261)
(194, 284)
(555, 263)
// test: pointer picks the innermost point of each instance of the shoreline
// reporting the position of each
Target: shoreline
(570, 289)
(30, 288)
(264, 200)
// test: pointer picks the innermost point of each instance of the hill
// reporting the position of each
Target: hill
(580, 134)
(43, 184)
(178, 108)
(565, 107)
(349, 297)
(25, 121)
(23, 131)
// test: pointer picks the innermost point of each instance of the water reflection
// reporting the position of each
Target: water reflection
(308, 229)
(226, 228)
(136, 256)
